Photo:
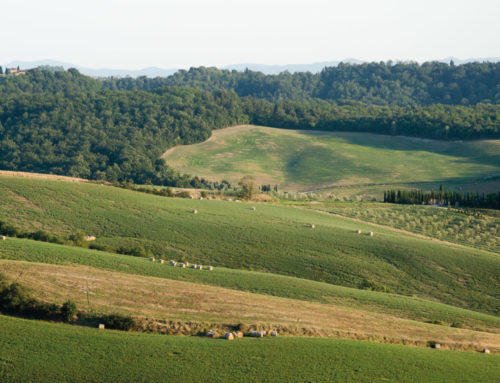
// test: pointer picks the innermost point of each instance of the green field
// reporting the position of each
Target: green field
(301, 160)
(271, 271)
(43, 352)
(261, 283)
(469, 228)
(272, 239)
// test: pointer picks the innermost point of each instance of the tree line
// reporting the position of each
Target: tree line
(384, 83)
(444, 197)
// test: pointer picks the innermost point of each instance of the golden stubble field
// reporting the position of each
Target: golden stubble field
(93, 289)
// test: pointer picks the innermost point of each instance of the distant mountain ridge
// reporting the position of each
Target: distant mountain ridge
(264, 68)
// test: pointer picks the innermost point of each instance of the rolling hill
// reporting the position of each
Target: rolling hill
(83, 354)
(306, 160)
(271, 271)
(273, 239)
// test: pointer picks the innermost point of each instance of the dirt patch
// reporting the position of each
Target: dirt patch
(8, 173)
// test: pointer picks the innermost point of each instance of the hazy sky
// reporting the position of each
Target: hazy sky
(179, 34)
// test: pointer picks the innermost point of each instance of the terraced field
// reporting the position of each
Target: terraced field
(305, 160)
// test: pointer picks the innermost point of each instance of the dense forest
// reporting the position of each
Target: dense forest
(65, 123)
(373, 83)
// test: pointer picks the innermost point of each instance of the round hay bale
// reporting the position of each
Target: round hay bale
(161, 261)
(238, 334)
(152, 259)
(3, 237)
(253, 333)
(259, 334)
(193, 266)
(173, 263)
(264, 332)
(486, 351)
(229, 336)
(370, 233)
(274, 333)
(437, 346)
(252, 208)
(212, 334)
(358, 231)
(199, 267)
(183, 265)
(187, 264)
(312, 226)
(210, 268)
(195, 211)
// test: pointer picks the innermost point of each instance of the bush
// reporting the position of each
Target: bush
(183, 194)
(68, 311)
(118, 322)
(14, 299)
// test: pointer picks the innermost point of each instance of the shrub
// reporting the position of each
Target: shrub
(68, 311)
(118, 322)
(183, 194)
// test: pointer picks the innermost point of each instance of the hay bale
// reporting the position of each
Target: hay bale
(161, 261)
(358, 231)
(212, 334)
(274, 333)
(312, 226)
(238, 334)
(229, 336)
(183, 265)
(152, 259)
(210, 268)
(264, 332)
(370, 233)
(172, 263)
(187, 264)
(486, 351)
(253, 333)
(199, 267)
(437, 346)
(193, 266)
(259, 334)
(3, 237)
(195, 211)
(253, 208)
(101, 326)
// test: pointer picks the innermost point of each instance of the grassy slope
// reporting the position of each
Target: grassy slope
(43, 352)
(311, 160)
(273, 238)
(261, 283)
(200, 307)
(451, 225)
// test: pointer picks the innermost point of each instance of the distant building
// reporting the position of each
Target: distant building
(15, 71)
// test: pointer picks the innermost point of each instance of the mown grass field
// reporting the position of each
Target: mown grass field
(469, 228)
(301, 160)
(199, 307)
(273, 239)
(260, 283)
(45, 352)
